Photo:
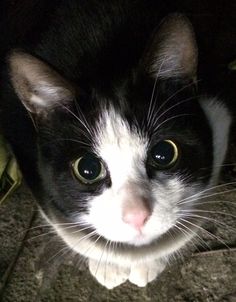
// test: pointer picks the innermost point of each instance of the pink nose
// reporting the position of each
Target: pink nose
(136, 217)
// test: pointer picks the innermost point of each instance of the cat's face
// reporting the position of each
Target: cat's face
(123, 180)
(124, 165)
(143, 178)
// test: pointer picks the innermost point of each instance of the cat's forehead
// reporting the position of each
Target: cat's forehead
(121, 146)
(113, 128)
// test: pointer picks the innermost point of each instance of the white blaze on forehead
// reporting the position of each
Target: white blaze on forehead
(123, 150)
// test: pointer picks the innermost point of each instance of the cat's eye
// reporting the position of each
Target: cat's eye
(164, 154)
(89, 169)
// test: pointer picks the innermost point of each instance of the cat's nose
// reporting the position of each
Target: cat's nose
(136, 217)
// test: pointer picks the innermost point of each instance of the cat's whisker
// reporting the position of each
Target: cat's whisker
(151, 104)
(81, 132)
(81, 142)
(42, 235)
(211, 212)
(100, 260)
(190, 238)
(205, 218)
(233, 183)
(55, 232)
(205, 231)
(108, 254)
(167, 120)
(82, 115)
(158, 117)
(201, 195)
(92, 246)
(49, 225)
(79, 120)
(151, 116)
(199, 202)
(58, 253)
(174, 94)
(55, 139)
(193, 200)
(74, 140)
(219, 166)
(66, 248)
(169, 233)
(82, 260)
(179, 253)
(203, 243)
(81, 230)
(78, 223)
(71, 249)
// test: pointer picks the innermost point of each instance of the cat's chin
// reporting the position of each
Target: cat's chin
(138, 240)
(141, 240)
(129, 236)
(140, 249)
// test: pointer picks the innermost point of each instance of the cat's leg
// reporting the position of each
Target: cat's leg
(146, 272)
(109, 275)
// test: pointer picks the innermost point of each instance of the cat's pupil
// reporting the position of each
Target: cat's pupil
(164, 153)
(89, 167)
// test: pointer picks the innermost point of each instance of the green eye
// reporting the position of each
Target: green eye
(89, 169)
(164, 154)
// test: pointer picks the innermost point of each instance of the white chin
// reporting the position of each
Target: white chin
(140, 240)
(136, 240)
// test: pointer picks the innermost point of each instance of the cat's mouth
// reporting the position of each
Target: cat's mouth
(77, 233)
(90, 244)
(110, 230)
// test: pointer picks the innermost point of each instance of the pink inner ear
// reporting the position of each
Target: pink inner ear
(39, 87)
(173, 50)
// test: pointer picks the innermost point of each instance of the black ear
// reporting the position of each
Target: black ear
(172, 51)
(40, 88)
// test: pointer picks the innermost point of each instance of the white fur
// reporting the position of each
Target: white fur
(109, 275)
(47, 95)
(38, 101)
(124, 151)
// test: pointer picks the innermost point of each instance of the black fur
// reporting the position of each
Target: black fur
(97, 46)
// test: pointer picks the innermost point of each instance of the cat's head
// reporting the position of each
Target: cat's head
(124, 165)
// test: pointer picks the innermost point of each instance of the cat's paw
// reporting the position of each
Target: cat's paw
(109, 275)
(142, 274)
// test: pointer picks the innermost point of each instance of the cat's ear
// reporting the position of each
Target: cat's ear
(40, 88)
(172, 52)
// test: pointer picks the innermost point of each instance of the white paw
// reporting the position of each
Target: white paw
(109, 275)
(142, 274)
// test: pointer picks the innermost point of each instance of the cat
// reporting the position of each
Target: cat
(103, 114)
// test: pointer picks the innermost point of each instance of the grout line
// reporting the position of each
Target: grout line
(11, 266)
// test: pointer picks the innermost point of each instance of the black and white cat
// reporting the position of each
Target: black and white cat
(113, 138)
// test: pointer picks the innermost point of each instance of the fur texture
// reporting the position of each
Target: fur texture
(105, 82)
